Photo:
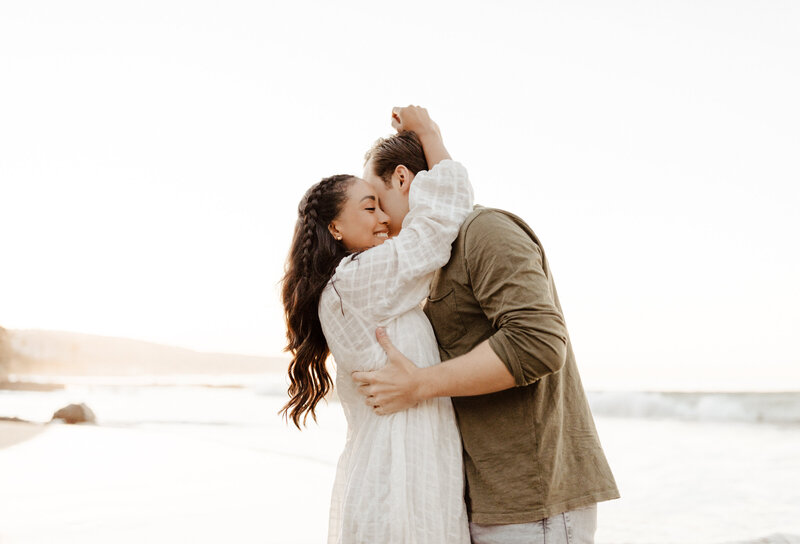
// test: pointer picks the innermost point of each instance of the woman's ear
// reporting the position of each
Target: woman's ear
(334, 231)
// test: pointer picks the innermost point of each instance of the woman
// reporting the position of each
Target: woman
(400, 477)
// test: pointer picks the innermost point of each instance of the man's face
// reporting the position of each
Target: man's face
(393, 200)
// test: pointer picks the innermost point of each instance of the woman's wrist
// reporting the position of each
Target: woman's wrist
(435, 153)
(430, 138)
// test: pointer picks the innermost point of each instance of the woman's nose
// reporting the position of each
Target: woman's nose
(383, 217)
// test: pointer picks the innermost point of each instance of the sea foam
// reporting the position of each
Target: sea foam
(748, 407)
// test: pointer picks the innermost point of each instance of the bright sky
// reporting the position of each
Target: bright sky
(152, 155)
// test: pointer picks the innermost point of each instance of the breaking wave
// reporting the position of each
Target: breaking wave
(781, 407)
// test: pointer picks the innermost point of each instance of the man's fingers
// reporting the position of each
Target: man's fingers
(364, 389)
(384, 341)
(360, 377)
(385, 410)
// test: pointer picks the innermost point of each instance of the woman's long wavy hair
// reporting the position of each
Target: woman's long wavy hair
(313, 258)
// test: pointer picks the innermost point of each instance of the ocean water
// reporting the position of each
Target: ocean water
(691, 467)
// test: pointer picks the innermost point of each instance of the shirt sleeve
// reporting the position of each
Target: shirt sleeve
(390, 279)
(506, 270)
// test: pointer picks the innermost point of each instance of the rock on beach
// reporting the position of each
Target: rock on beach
(75, 413)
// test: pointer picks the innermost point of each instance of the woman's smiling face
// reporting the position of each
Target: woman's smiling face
(362, 223)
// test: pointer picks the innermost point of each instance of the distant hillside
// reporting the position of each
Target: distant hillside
(5, 353)
(67, 353)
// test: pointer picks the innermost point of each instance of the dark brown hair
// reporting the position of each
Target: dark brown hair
(388, 153)
(313, 258)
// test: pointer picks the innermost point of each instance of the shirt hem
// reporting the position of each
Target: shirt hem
(541, 513)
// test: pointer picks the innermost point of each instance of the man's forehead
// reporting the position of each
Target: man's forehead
(379, 187)
(368, 172)
(370, 177)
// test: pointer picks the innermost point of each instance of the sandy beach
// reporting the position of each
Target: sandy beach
(94, 484)
(216, 464)
(14, 432)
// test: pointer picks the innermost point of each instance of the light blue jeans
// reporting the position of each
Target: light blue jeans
(573, 527)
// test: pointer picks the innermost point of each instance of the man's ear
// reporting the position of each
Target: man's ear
(404, 178)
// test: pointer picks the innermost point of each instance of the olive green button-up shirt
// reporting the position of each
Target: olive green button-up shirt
(532, 451)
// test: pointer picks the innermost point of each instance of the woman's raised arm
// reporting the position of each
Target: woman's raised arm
(390, 279)
(418, 121)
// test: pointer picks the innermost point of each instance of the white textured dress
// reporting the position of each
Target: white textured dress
(400, 478)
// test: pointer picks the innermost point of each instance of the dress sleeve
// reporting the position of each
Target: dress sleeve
(392, 278)
(509, 282)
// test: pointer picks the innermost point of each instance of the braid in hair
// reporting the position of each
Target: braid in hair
(313, 258)
(309, 216)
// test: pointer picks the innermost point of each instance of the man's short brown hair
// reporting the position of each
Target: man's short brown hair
(388, 153)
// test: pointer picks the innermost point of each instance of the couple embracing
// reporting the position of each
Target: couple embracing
(467, 420)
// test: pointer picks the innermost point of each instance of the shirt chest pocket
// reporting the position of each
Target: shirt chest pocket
(442, 311)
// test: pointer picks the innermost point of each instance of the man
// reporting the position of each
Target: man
(534, 465)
